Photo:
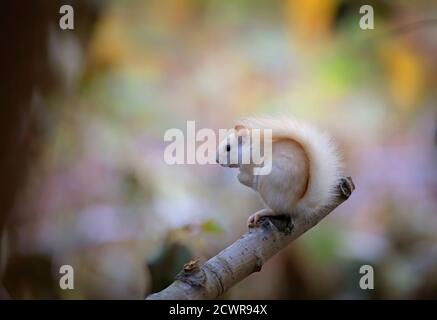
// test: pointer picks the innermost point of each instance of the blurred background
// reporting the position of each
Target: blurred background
(84, 111)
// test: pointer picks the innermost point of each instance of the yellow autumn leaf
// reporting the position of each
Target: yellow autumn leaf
(405, 73)
(310, 20)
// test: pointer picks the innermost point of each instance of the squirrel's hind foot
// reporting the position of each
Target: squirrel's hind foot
(256, 219)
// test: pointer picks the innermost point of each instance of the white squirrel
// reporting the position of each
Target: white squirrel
(305, 166)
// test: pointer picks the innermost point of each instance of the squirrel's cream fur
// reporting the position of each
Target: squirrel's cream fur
(306, 167)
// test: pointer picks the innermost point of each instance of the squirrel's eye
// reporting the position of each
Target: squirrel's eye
(228, 147)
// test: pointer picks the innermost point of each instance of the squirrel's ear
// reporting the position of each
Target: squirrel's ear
(241, 130)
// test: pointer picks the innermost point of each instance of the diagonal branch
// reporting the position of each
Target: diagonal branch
(246, 255)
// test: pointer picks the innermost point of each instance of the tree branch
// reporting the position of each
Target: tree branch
(246, 255)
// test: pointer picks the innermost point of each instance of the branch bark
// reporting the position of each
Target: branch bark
(246, 255)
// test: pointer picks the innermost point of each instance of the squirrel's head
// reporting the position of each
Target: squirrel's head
(231, 149)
